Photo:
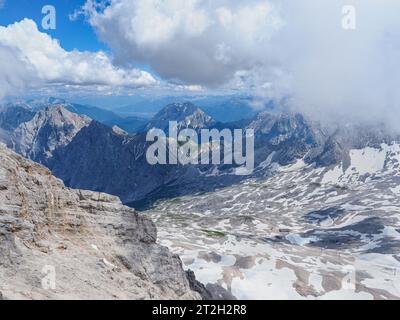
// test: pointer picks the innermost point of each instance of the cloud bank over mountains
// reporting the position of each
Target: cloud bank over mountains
(278, 49)
(343, 74)
(294, 52)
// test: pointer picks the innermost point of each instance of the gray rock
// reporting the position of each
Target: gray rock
(48, 130)
(187, 115)
(98, 248)
(11, 116)
(197, 286)
(219, 293)
(93, 156)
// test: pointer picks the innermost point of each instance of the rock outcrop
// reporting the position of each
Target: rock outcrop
(11, 116)
(50, 128)
(187, 115)
(59, 243)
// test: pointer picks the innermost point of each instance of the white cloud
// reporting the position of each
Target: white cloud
(342, 74)
(188, 88)
(47, 62)
(293, 51)
(14, 74)
(198, 42)
(274, 48)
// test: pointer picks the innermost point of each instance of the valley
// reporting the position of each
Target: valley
(291, 236)
(317, 219)
(199, 150)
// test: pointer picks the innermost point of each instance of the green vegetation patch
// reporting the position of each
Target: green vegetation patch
(213, 233)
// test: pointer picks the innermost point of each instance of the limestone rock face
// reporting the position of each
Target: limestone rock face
(50, 128)
(59, 243)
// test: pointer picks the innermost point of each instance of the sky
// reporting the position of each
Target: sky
(334, 59)
(72, 34)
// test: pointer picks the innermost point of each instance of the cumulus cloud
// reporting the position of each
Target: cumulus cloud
(14, 74)
(42, 58)
(197, 42)
(296, 52)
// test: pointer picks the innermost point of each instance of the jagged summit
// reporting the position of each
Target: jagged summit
(310, 189)
(88, 154)
(186, 114)
(50, 128)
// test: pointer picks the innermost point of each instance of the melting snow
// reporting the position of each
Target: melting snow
(367, 160)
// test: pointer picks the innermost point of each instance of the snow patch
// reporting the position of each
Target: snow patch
(299, 240)
(367, 160)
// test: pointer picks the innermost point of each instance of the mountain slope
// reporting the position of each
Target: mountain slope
(186, 114)
(129, 124)
(220, 107)
(96, 157)
(94, 113)
(321, 206)
(49, 129)
(97, 248)
(13, 115)
(116, 163)
(297, 231)
(112, 162)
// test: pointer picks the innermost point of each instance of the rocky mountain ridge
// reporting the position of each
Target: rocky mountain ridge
(321, 199)
(96, 247)
(50, 128)
(187, 115)
(96, 157)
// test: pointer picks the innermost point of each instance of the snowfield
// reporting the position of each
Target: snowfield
(295, 232)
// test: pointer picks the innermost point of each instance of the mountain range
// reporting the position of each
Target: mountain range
(86, 153)
(315, 187)
(93, 246)
(222, 108)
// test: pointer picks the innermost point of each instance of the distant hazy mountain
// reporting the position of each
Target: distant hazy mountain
(40, 103)
(187, 115)
(130, 124)
(17, 112)
(227, 109)
(94, 113)
(91, 155)
(145, 106)
(221, 108)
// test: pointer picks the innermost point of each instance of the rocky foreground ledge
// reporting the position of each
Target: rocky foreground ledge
(59, 243)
